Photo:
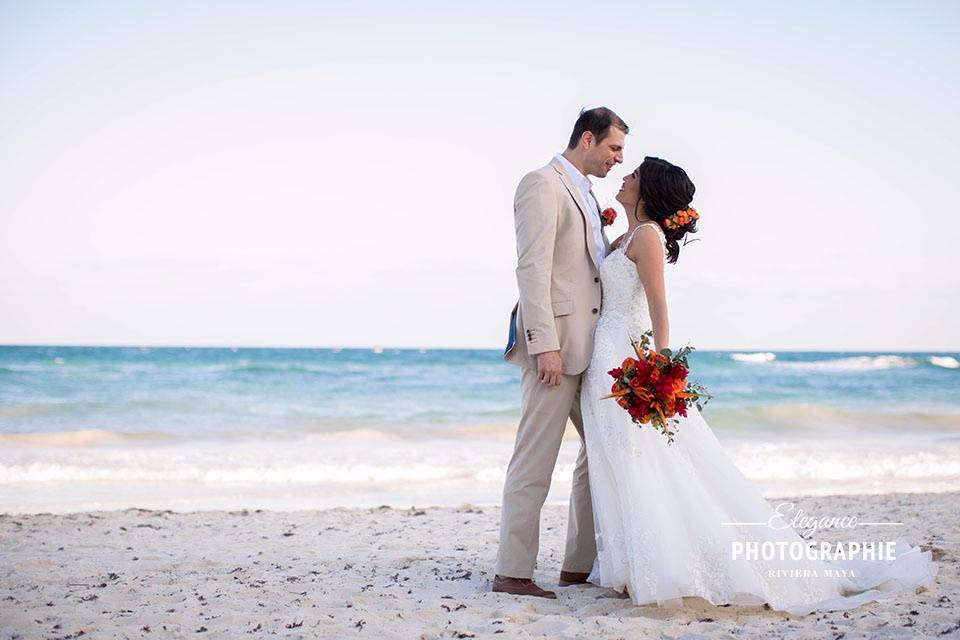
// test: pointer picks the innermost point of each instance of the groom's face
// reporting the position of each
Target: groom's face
(603, 155)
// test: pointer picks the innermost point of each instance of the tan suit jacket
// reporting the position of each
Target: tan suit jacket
(556, 272)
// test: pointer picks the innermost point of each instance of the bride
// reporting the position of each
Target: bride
(670, 518)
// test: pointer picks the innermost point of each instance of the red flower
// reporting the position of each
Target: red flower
(616, 372)
(681, 407)
(607, 216)
(642, 372)
(653, 375)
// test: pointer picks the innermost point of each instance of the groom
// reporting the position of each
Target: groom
(560, 245)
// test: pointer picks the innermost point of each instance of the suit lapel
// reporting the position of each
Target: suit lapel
(577, 198)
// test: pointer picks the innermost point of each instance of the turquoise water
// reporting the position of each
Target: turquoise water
(92, 427)
(203, 391)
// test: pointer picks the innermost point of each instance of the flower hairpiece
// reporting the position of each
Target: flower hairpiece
(681, 219)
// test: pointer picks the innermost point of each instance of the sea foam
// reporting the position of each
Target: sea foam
(856, 363)
(754, 357)
(947, 362)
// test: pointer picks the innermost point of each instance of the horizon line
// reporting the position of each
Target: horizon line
(429, 348)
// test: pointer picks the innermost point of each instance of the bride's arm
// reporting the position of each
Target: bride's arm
(646, 251)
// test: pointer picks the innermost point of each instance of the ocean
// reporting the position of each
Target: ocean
(85, 428)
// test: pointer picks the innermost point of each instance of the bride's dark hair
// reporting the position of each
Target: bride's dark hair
(665, 189)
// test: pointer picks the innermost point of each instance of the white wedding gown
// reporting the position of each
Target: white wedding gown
(659, 508)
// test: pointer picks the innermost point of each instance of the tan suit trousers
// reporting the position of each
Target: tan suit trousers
(544, 418)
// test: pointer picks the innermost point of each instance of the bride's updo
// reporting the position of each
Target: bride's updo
(666, 189)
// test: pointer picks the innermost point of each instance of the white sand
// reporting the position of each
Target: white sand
(389, 573)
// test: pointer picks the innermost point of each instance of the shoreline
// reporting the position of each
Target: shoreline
(560, 501)
(393, 573)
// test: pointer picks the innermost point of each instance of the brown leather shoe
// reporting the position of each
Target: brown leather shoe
(568, 578)
(520, 587)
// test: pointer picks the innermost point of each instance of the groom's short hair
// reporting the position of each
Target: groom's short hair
(597, 121)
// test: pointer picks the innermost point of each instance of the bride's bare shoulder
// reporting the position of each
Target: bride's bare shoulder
(646, 240)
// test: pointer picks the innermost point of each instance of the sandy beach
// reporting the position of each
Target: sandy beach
(392, 573)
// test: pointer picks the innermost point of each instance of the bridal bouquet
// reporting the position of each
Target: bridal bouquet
(653, 387)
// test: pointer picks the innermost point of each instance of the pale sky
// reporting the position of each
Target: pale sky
(342, 174)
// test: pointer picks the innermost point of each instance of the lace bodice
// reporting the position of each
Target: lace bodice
(624, 300)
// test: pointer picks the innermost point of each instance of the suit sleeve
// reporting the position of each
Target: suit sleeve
(536, 211)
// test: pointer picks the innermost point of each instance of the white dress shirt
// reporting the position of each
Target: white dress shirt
(583, 183)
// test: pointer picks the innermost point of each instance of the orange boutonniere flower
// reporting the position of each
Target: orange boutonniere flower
(607, 216)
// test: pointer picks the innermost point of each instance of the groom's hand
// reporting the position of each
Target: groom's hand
(550, 368)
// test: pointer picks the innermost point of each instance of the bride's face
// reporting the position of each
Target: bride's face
(629, 193)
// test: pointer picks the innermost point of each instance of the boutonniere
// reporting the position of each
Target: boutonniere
(607, 216)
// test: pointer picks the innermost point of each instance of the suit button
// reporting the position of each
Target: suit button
(596, 279)
(595, 311)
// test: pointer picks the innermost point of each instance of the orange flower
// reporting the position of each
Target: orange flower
(681, 218)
